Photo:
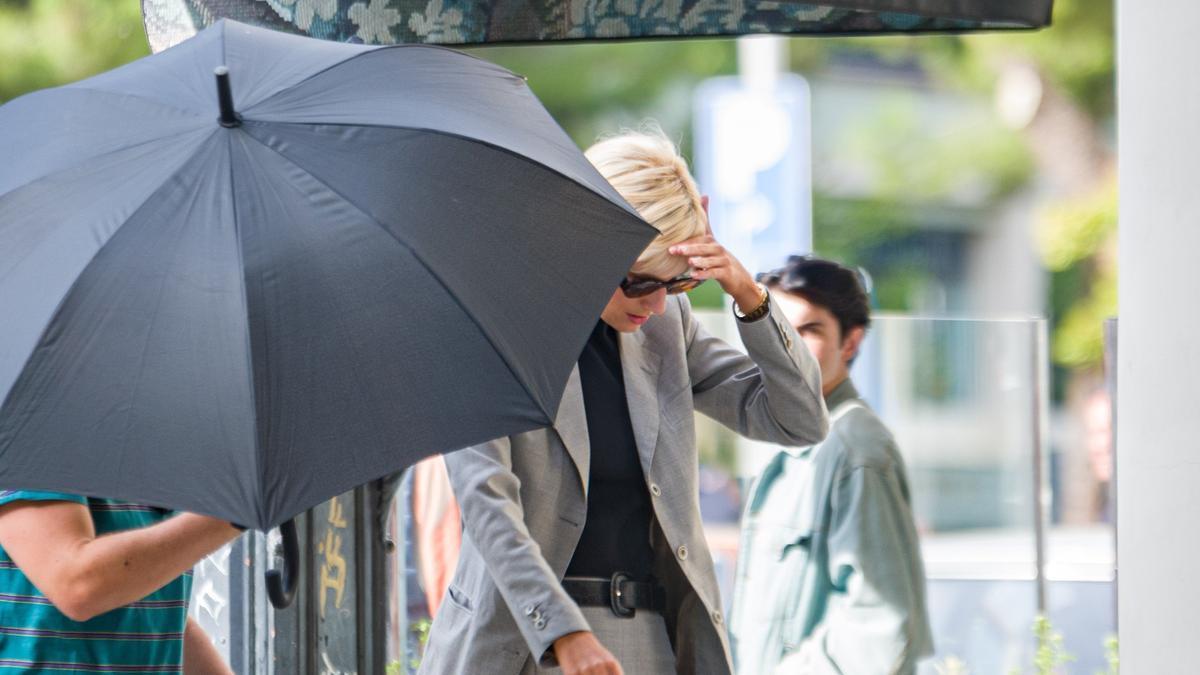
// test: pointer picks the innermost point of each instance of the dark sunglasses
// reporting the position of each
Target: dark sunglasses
(640, 287)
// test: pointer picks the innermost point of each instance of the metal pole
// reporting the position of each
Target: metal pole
(1039, 507)
(1110, 383)
(372, 578)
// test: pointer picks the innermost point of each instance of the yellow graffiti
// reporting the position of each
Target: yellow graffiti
(337, 517)
(333, 567)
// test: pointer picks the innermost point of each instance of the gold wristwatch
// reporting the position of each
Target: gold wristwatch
(764, 306)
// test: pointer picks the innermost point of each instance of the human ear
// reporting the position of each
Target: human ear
(852, 342)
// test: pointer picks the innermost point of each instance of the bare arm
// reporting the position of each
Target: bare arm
(56, 547)
(200, 657)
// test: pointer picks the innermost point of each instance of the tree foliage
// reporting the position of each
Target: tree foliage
(46, 43)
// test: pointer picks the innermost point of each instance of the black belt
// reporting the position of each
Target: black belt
(622, 594)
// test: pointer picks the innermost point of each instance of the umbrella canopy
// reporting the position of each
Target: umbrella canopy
(374, 255)
(476, 22)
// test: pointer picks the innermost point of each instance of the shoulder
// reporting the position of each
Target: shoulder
(861, 440)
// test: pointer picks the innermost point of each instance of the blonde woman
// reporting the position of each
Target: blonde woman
(583, 548)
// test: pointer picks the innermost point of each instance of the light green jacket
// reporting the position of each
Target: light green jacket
(830, 578)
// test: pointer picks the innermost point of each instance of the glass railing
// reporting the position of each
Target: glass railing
(967, 401)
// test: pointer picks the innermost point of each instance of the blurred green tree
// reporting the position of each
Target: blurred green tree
(46, 43)
(1068, 134)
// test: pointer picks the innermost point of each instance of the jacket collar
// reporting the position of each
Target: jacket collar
(571, 425)
(842, 393)
(640, 367)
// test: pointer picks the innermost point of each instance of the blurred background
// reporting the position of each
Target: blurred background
(971, 177)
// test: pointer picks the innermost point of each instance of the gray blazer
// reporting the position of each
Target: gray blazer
(524, 498)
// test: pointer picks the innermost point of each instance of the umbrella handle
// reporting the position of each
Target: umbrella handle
(281, 583)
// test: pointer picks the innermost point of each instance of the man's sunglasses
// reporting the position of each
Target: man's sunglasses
(640, 287)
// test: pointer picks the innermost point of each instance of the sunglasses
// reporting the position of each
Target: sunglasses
(640, 287)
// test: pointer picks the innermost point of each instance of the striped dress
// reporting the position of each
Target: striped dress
(143, 637)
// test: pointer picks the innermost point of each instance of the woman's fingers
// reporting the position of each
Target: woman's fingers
(606, 666)
(719, 273)
(706, 263)
(703, 249)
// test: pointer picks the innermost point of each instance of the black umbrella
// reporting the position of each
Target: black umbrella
(479, 22)
(372, 255)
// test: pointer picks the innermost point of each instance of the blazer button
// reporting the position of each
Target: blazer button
(530, 610)
(681, 552)
(655, 490)
(717, 618)
(540, 624)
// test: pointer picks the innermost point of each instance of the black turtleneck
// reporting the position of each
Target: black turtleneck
(616, 537)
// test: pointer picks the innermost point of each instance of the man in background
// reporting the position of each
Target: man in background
(830, 579)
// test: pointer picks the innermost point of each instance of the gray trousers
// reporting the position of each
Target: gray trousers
(640, 644)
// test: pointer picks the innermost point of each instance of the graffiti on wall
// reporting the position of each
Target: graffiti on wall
(333, 562)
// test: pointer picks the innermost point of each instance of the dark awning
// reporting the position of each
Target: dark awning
(467, 22)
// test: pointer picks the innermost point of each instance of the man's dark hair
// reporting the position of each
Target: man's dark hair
(822, 282)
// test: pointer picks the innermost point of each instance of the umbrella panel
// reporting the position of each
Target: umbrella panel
(516, 210)
(110, 395)
(51, 227)
(327, 286)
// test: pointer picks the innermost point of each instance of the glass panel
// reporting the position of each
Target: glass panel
(966, 402)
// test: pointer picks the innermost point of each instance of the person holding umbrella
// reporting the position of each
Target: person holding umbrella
(91, 584)
(583, 545)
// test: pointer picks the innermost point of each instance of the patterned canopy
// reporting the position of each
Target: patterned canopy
(465, 22)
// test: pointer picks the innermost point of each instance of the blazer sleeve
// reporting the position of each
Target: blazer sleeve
(489, 497)
(772, 395)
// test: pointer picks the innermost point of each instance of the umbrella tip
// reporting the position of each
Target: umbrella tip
(229, 117)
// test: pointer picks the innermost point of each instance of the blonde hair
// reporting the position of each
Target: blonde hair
(646, 168)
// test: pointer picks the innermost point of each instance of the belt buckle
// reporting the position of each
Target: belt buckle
(615, 598)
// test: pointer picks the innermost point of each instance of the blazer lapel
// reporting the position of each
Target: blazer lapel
(640, 368)
(571, 425)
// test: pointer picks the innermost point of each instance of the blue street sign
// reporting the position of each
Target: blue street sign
(754, 160)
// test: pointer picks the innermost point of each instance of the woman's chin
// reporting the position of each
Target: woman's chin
(626, 327)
